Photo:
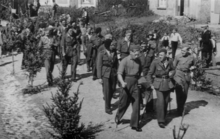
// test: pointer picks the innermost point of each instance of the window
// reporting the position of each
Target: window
(86, 1)
(162, 4)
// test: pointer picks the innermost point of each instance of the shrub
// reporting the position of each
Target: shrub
(33, 61)
(63, 114)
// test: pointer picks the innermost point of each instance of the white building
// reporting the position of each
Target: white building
(71, 3)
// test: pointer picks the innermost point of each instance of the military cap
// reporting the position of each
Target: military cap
(134, 47)
(163, 51)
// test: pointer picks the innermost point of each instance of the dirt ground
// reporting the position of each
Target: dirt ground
(22, 115)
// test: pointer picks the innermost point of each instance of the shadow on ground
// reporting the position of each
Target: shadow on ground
(147, 117)
(4, 64)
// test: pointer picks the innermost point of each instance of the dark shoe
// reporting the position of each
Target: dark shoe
(161, 125)
(94, 78)
(137, 129)
(117, 121)
(109, 112)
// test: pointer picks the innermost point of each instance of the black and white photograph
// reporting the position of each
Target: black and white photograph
(109, 69)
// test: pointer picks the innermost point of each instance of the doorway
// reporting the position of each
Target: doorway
(181, 7)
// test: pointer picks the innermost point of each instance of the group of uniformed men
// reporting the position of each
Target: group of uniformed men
(119, 62)
(129, 62)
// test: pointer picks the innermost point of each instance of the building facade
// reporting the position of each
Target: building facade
(204, 10)
(71, 3)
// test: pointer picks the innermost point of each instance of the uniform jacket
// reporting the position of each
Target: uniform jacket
(106, 64)
(182, 72)
(151, 48)
(67, 44)
(96, 41)
(158, 70)
(145, 62)
(123, 48)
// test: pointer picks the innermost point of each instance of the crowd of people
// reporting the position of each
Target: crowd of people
(114, 63)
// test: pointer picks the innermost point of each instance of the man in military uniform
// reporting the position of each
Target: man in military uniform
(162, 69)
(183, 64)
(148, 92)
(151, 49)
(124, 45)
(96, 41)
(89, 48)
(130, 67)
(206, 46)
(107, 64)
(47, 42)
(69, 53)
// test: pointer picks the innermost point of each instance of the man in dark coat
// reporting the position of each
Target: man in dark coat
(206, 46)
(107, 64)
(96, 41)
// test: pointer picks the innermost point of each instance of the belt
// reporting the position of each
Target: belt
(125, 53)
(107, 65)
(132, 76)
(163, 77)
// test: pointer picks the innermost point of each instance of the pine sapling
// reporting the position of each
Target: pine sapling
(63, 114)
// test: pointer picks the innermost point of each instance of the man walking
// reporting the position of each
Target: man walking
(96, 41)
(124, 45)
(175, 39)
(48, 42)
(162, 68)
(130, 66)
(206, 46)
(69, 53)
(182, 64)
(107, 64)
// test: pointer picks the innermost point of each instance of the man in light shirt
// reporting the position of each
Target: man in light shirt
(175, 38)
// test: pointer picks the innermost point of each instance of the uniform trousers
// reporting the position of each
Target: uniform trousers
(74, 62)
(89, 57)
(23, 65)
(130, 94)
(181, 96)
(207, 56)
(49, 60)
(174, 48)
(109, 86)
(161, 105)
(94, 58)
